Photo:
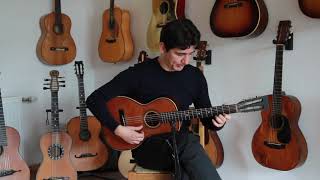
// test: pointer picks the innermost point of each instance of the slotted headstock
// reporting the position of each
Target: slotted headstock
(142, 56)
(253, 104)
(284, 31)
(54, 82)
(78, 67)
(201, 54)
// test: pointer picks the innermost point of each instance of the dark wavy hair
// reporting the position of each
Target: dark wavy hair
(181, 33)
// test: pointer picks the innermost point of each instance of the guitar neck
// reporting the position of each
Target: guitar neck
(3, 133)
(111, 14)
(198, 113)
(82, 105)
(54, 112)
(58, 11)
(277, 86)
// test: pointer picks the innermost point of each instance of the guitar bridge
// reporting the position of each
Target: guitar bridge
(85, 155)
(274, 145)
(59, 49)
(8, 172)
(58, 178)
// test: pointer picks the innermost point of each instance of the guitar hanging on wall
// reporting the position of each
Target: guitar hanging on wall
(87, 150)
(278, 143)
(56, 45)
(208, 139)
(163, 11)
(238, 18)
(12, 166)
(310, 8)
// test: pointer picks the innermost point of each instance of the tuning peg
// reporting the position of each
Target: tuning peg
(62, 85)
(45, 88)
(46, 79)
(62, 81)
(61, 77)
(46, 84)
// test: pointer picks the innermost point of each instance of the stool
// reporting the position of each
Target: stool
(139, 173)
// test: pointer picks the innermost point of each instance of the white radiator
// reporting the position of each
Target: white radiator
(12, 116)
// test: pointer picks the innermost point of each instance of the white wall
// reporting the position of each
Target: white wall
(240, 69)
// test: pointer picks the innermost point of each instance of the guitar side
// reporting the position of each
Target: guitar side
(127, 36)
(214, 148)
(52, 48)
(94, 152)
(310, 8)
(294, 153)
(61, 167)
(111, 44)
(10, 159)
(238, 19)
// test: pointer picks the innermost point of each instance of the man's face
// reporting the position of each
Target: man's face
(176, 58)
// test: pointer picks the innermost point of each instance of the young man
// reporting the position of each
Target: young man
(168, 75)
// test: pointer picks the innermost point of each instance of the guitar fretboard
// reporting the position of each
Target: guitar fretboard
(277, 86)
(54, 112)
(82, 105)
(3, 133)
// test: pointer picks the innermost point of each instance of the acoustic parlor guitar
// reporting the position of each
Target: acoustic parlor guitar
(55, 145)
(56, 45)
(87, 150)
(12, 166)
(310, 8)
(238, 18)
(278, 143)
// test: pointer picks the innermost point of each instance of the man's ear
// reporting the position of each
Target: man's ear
(162, 48)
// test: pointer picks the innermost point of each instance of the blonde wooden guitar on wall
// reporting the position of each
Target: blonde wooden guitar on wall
(12, 166)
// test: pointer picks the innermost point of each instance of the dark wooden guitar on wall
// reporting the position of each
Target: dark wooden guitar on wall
(278, 143)
(163, 11)
(55, 145)
(56, 45)
(156, 115)
(115, 43)
(87, 150)
(12, 166)
(208, 139)
(310, 8)
(238, 18)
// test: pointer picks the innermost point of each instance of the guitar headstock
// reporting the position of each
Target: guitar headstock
(142, 56)
(54, 82)
(78, 67)
(201, 54)
(284, 31)
(253, 104)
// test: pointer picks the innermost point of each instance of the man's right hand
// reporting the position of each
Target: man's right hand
(130, 134)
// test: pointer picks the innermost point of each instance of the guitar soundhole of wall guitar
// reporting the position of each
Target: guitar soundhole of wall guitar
(164, 7)
(152, 119)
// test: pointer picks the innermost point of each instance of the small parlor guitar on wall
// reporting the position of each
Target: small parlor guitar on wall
(156, 115)
(163, 11)
(115, 43)
(310, 8)
(56, 45)
(238, 18)
(12, 166)
(87, 150)
(55, 145)
(278, 143)
(208, 139)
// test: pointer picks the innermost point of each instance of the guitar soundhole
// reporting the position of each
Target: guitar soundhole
(276, 122)
(58, 29)
(282, 126)
(1, 150)
(164, 7)
(152, 119)
(85, 135)
(55, 151)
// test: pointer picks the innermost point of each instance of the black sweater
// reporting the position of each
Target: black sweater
(147, 81)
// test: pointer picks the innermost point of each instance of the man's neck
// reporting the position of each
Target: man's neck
(164, 63)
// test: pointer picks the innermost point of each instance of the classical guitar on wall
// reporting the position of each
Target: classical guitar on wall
(310, 8)
(87, 150)
(12, 166)
(238, 18)
(278, 143)
(163, 11)
(55, 145)
(115, 43)
(208, 139)
(56, 45)
(156, 115)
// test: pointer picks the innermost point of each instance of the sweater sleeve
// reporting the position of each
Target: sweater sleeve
(203, 101)
(122, 84)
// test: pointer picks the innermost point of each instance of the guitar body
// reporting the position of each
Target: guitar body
(111, 45)
(214, 149)
(293, 153)
(163, 11)
(132, 108)
(127, 38)
(237, 18)
(86, 155)
(124, 164)
(310, 8)
(53, 48)
(60, 168)
(10, 158)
